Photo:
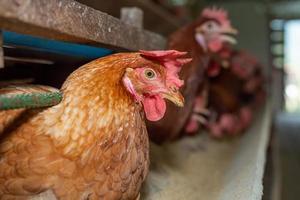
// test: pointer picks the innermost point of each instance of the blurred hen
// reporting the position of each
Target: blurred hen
(235, 93)
(201, 39)
(235, 89)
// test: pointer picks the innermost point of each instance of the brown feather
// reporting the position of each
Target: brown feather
(93, 144)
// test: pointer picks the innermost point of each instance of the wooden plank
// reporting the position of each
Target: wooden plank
(156, 18)
(70, 21)
(132, 16)
(200, 168)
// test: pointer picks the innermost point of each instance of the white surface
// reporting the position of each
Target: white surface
(200, 168)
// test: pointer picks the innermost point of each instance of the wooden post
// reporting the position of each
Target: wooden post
(1, 51)
(132, 16)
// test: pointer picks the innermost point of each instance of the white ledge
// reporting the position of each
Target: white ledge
(200, 168)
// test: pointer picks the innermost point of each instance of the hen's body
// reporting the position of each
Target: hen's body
(224, 91)
(233, 94)
(87, 147)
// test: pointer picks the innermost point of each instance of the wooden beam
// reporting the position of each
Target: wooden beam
(153, 13)
(70, 21)
(132, 16)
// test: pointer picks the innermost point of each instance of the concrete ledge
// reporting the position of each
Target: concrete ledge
(199, 168)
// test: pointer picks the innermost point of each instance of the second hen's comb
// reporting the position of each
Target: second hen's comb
(218, 14)
(172, 60)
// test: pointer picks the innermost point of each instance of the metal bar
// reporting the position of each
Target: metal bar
(58, 47)
(70, 21)
(1, 51)
(29, 60)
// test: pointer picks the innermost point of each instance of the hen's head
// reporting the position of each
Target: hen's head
(152, 82)
(214, 30)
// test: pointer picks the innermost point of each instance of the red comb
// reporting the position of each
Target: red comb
(218, 14)
(171, 60)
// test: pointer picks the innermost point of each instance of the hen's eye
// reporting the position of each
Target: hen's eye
(209, 25)
(150, 74)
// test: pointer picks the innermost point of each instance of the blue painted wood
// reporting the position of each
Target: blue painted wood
(54, 46)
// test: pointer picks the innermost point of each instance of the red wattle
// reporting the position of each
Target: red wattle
(215, 45)
(154, 107)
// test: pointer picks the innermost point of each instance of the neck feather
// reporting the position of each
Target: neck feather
(95, 105)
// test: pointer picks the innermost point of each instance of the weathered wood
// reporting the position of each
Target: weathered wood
(1, 51)
(132, 16)
(68, 20)
(152, 13)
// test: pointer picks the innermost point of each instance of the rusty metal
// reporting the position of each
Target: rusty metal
(70, 21)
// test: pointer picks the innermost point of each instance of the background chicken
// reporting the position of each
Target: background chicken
(201, 113)
(93, 144)
(201, 39)
(239, 90)
(234, 92)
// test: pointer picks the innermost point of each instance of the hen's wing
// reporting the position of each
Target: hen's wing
(29, 164)
(111, 168)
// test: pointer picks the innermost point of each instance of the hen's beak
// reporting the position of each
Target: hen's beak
(230, 30)
(227, 35)
(174, 96)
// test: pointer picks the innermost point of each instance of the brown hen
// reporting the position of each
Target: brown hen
(201, 39)
(94, 144)
(234, 93)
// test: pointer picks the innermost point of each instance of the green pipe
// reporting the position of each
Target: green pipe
(35, 99)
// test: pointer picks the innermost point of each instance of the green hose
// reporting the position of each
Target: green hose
(32, 98)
